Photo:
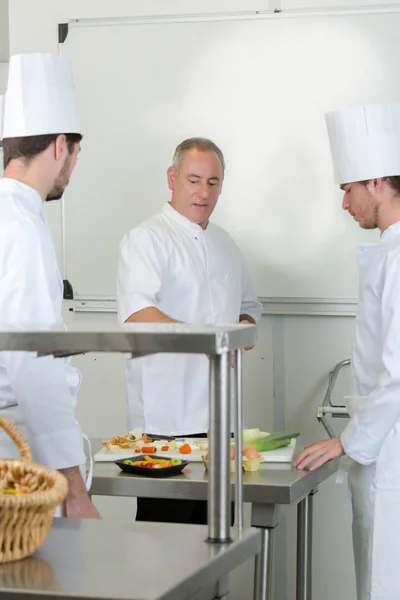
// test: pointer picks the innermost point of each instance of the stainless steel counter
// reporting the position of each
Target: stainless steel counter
(92, 559)
(274, 483)
(268, 490)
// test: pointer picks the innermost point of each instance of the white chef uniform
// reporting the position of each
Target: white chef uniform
(37, 394)
(365, 144)
(192, 275)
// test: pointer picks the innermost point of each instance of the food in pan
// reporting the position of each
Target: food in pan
(152, 463)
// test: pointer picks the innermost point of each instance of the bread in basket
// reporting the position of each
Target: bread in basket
(26, 516)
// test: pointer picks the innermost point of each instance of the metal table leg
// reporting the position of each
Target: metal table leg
(304, 548)
(219, 507)
(263, 567)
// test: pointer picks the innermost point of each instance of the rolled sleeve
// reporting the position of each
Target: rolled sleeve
(139, 279)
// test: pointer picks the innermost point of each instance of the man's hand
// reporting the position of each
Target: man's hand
(80, 508)
(322, 452)
(78, 504)
(246, 321)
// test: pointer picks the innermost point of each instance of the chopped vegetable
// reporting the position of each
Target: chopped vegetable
(149, 449)
(165, 448)
(135, 434)
(185, 449)
(275, 440)
(250, 434)
(175, 461)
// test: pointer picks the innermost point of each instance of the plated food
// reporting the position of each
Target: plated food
(152, 466)
(153, 463)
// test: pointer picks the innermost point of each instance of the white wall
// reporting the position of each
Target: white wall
(285, 376)
(4, 29)
(3, 76)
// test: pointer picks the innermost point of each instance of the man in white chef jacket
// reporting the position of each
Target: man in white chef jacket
(177, 266)
(41, 140)
(365, 146)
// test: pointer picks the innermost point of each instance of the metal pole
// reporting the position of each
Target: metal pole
(263, 568)
(238, 441)
(219, 450)
(304, 548)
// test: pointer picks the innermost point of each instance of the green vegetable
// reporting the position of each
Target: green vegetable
(250, 434)
(176, 461)
(127, 462)
(274, 440)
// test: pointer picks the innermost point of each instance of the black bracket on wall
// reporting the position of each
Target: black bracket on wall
(68, 293)
(63, 30)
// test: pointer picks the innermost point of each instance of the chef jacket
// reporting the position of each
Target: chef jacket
(192, 275)
(37, 394)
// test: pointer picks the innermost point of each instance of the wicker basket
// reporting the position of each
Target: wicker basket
(25, 519)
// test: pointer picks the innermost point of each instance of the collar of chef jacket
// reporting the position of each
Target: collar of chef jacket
(176, 216)
(29, 197)
(391, 233)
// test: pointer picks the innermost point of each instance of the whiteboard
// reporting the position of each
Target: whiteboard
(259, 88)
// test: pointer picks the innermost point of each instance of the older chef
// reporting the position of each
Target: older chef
(177, 266)
(365, 145)
(41, 139)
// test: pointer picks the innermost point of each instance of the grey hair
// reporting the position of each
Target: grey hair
(202, 144)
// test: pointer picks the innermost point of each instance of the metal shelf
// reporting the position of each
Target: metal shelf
(138, 339)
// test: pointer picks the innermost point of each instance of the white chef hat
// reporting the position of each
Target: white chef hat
(40, 97)
(365, 142)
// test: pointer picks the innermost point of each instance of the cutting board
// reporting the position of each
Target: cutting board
(280, 455)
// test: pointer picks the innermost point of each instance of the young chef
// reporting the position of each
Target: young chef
(177, 266)
(365, 145)
(41, 138)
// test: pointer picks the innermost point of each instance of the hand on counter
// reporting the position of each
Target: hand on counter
(80, 508)
(77, 504)
(321, 452)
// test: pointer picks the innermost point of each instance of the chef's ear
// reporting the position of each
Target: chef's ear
(60, 146)
(171, 175)
(378, 184)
